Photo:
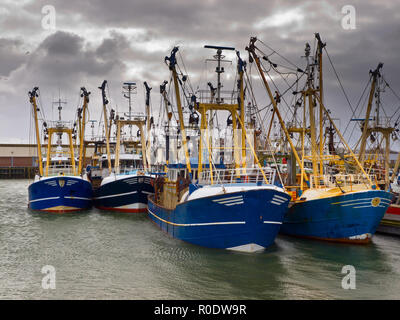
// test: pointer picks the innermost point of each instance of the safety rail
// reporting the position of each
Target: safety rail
(132, 170)
(134, 116)
(60, 124)
(240, 175)
(226, 96)
(339, 180)
(60, 170)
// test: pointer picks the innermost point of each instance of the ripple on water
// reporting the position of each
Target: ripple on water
(107, 255)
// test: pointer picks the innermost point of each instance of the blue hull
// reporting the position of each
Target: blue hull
(244, 221)
(60, 194)
(125, 195)
(349, 218)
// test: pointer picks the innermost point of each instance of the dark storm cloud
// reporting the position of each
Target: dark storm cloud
(11, 56)
(124, 39)
(62, 62)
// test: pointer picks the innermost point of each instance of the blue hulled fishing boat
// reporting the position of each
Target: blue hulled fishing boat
(125, 192)
(60, 194)
(58, 187)
(127, 181)
(338, 201)
(237, 208)
(344, 217)
(240, 216)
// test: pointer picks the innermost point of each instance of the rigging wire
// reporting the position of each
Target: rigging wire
(284, 58)
(337, 76)
(358, 104)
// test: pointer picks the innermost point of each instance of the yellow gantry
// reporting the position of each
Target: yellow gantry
(344, 141)
(120, 124)
(61, 130)
(203, 108)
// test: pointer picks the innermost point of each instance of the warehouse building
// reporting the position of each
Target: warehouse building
(20, 160)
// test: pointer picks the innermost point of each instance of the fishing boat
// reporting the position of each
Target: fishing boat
(127, 180)
(390, 223)
(237, 208)
(59, 186)
(378, 135)
(329, 204)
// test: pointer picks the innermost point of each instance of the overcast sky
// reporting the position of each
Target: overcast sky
(127, 40)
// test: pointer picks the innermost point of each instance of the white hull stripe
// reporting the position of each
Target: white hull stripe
(146, 192)
(279, 197)
(277, 200)
(356, 203)
(43, 199)
(229, 201)
(196, 224)
(229, 198)
(277, 203)
(233, 203)
(79, 198)
(369, 207)
(359, 200)
(116, 195)
(365, 202)
(273, 222)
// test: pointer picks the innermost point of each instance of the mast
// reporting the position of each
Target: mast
(107, 131)
(85, 96)
(130, 88)
(395, 169)
(60, 103)
(32, 95)
(375, 74)
(310, 92)
(320, 46)
(218, 104)
(148, 122)
(139, 122)
(172, 67)
(241, 66)
(169, 116)
(378, 127)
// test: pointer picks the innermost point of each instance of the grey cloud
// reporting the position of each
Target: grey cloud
(12, 55)
(72, 58)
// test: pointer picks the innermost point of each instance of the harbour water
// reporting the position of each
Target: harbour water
(104, 255)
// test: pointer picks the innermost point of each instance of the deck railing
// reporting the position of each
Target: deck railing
(240, 175)
(340, 180)
(57, 170)
(226, 96)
